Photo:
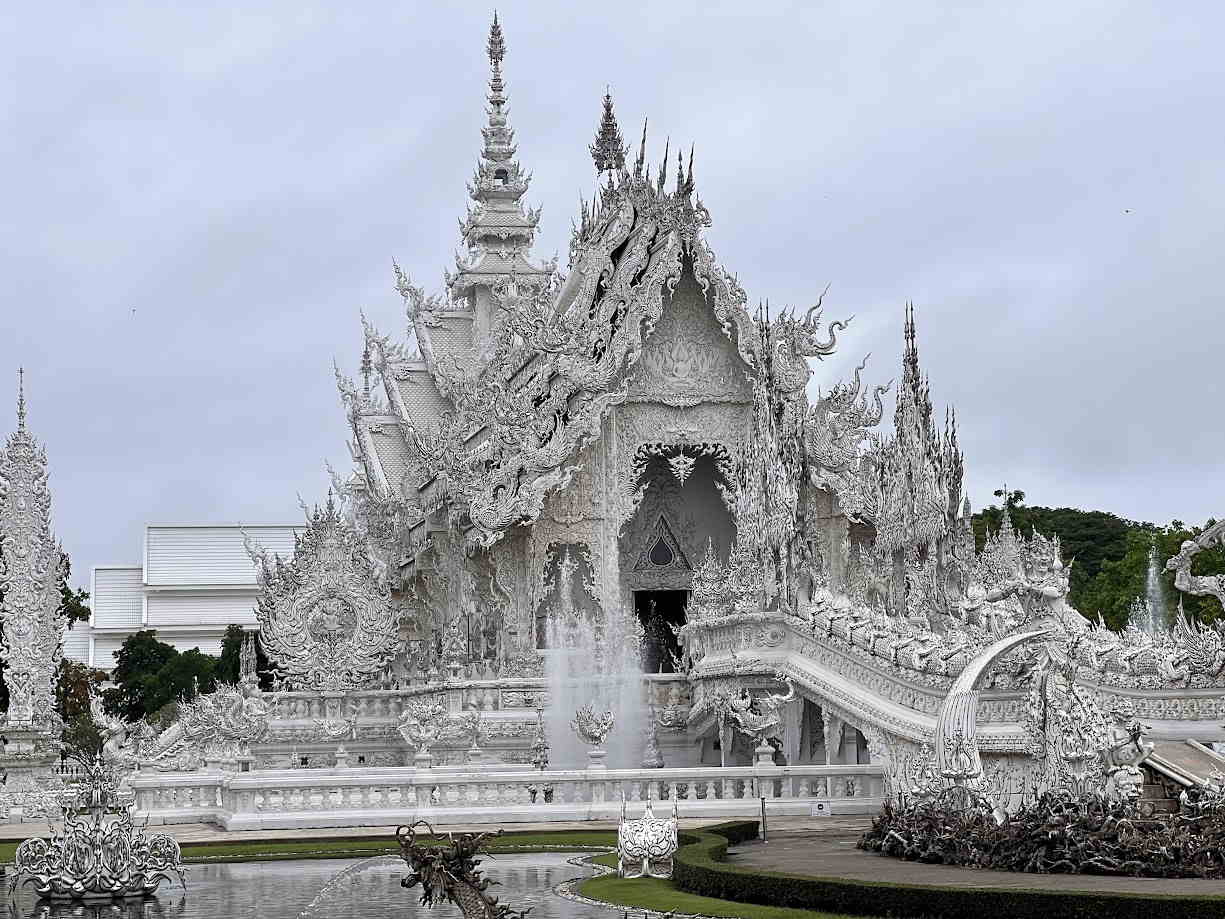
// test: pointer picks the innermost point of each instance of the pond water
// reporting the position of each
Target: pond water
(282, 890)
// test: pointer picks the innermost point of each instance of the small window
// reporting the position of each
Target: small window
(661, 553)
(500, 177)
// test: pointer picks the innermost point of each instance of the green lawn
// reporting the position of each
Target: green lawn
(360, 847)
(656, 894)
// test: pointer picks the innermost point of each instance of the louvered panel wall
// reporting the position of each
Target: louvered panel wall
(219, 608)
(116, 597)
(208, 555)
(76, 643)
(209, 642)
(104, 648)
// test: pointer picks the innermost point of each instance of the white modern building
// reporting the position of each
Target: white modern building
(193, 581)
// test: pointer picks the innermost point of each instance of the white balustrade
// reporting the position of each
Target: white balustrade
(379, 797)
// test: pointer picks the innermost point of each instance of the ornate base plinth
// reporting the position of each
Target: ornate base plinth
(30, 783)
(595, 759)
(763, 755)
(423, 761)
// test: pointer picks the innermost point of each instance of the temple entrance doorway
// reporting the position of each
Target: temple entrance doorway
(659, 611)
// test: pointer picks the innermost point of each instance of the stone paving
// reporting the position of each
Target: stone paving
(827, 849)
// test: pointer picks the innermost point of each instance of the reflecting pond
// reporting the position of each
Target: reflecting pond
(283, 889)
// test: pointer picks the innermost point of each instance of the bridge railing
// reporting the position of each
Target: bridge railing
(292, 798)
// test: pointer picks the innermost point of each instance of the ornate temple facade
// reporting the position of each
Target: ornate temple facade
(628, 441)
(625, 456)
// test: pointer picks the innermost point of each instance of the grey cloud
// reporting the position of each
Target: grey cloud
(242, 177)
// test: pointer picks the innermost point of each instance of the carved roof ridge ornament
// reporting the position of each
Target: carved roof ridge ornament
(31, 570)
(609, 149)
(326, 618)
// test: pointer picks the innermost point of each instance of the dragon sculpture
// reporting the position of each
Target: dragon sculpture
(450, 873)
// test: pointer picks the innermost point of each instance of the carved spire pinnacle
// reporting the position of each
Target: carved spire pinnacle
(496, 46)
(642, 152)
(497, 231)
(367, 369)
(609, 148)
(21, 398)
(663, 167)
(30, 600)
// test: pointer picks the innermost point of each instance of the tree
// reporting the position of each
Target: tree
(73, 686)
(150, 674)
(1012, 499)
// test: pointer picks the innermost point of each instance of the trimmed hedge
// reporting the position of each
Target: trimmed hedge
(699, 868)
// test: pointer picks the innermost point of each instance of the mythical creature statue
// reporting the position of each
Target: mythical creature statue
(450, 873)
(341, 728)
(122, 740)
(220, 725)
(592, 727)
(423, 722)
(1201, 646)
(763, 723)
(835, 430)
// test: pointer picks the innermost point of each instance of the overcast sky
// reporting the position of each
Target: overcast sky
(200, 198)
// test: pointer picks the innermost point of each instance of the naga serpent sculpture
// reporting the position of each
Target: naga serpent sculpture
(450, 872)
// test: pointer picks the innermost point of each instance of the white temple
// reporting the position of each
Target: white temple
(608, 489)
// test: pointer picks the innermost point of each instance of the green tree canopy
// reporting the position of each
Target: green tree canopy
(74, 683)
(150, 674)
(1109, 556)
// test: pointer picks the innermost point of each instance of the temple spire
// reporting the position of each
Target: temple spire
(609, 148)
(21, 398)
(497, 231)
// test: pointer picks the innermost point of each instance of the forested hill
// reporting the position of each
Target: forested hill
(1109, 555)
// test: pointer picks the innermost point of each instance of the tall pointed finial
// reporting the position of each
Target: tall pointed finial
(680, 172)
(367, 368)
(21, 398)
(663, 166)
(496, 45)
(642, 152)
(609, 148)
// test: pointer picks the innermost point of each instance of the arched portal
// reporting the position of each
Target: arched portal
(680, 517)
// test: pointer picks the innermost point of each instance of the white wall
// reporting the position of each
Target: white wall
(195, 581)
(208, 555)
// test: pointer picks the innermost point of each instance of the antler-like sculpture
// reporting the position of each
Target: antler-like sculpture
(1200, 585)
(450, 873)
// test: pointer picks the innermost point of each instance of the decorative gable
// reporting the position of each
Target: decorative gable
(687, 359)
(661, 552)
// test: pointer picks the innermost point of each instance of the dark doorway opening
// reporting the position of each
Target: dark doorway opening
(659, 611)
